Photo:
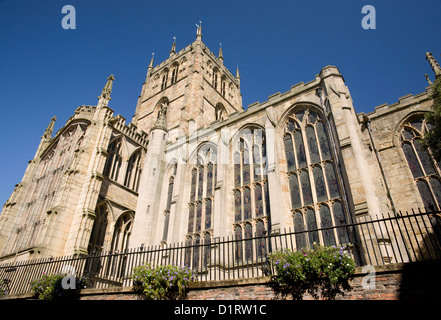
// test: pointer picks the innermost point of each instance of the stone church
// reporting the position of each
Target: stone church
(193, 165)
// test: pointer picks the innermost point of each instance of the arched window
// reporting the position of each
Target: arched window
(114, 159)
(99, 229)
(223, 84)
(220, 111)
(175, 70)
(251, 198)
(215, 77)
(315, 191)
(164, 79)
(122, 231)
(424, 169)
(116, 264)
(203, 182)
(133, 172)
(171, 184)
(201, 206)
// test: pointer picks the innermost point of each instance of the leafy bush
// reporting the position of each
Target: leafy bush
(163, 282)
(50, 287)
(321, 270)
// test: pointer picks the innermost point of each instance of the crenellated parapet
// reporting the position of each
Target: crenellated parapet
(131, 131)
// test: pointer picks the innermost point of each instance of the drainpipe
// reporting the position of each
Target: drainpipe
(367, 123)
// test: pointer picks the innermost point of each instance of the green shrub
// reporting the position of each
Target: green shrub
(324, 271)
(50, 287)
(163, 282)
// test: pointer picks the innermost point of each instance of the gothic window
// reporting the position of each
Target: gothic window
(223, 84)
(251, 198)
(122, 231)
(326, 222)
(201, 207)
(202, 191)
(99, 229)
(315, 191)
(170, 187)
(215, 77)
(311, 225)
(175, 70)
(114, 159)
(221, 113)
(424, 169)
(164, 79)
(299, 228)
(116, 264)
(133, 172)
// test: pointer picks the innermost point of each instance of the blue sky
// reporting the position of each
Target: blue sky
(47, 71)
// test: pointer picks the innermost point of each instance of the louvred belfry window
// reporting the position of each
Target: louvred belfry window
(424, 169)
(315, 190)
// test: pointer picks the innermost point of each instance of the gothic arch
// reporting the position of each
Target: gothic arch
(168, 189)
(102, 223)
(115, 155)
(134, 169)
(174, 72)
(294, 108)
(122, 230)
(396, 132)
(422, 167)
(312, 175)
(242, 131)
(220, 112)
(250, 194)
(203, 146)
(157, 107)
(202, 182)
(164, 78)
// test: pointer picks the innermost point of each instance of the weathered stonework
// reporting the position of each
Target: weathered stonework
(101, 184)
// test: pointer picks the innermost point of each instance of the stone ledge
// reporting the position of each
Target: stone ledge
(228, 283)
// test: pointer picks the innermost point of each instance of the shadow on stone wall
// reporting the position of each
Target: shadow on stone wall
(421, 281)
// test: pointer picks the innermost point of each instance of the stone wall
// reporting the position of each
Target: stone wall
(413, 281)
(410, 281)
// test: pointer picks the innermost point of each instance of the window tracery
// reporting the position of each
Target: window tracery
(251, 196)
(424, 169)
(133, 172)
(315, 191)
(201, 207)
(170, 187)
(114, 159)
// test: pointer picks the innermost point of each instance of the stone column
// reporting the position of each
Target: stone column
(149, 191)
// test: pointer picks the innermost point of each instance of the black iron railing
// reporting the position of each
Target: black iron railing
(386, 239)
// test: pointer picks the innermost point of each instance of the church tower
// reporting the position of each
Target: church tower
(184, 94)
(193, 83)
